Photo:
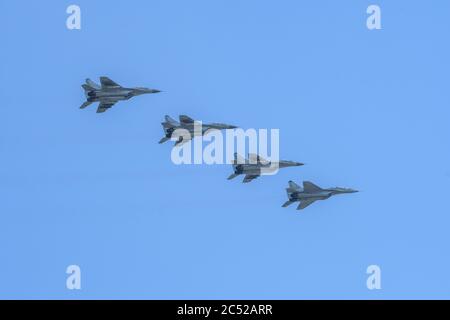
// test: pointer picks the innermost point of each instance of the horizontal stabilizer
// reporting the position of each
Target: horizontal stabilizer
(84, 105)
(287, 203)
(163, 140)
(234, 175)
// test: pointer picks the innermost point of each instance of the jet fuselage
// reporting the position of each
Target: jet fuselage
(248, 168)
(110, 94)
(297, 196)
(257, 168)
(193, 130)
(317, 195)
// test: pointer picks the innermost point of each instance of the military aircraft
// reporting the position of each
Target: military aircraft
(310, 193)
(109, 93)
(171, 129)
(255, 165)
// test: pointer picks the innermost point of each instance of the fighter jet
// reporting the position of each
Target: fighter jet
(255, 165)
(310, 193)
(171, 126)
(109, 93)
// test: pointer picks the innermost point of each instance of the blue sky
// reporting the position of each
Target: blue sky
(363, 109)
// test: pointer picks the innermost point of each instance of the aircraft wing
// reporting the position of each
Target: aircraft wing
(304, 203)
(249, 177)
(103, 106)
(238, 159)
(206, 130)
(262, 160)
(107, 82)
(311, 187)
(253, 158)
(186, 120)
(182, 141)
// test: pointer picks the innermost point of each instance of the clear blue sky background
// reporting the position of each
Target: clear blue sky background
(363, 109)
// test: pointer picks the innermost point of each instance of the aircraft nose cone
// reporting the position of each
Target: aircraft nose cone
(297, 164)
(156, 91)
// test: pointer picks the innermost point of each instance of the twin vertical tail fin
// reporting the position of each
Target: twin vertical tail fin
(169, 125)
(170, 121)
(293, 187)
(237, 160)
(87, 89)
(92, 85)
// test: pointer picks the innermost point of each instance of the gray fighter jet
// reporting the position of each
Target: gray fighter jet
(310, 193)
(255, 165)
(109, 93)
(171, 126)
